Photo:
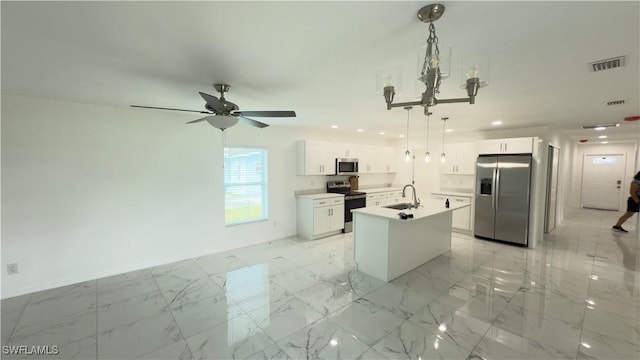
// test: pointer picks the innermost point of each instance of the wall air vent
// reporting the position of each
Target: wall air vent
(615, 102)
(606, 64)
(600, 127)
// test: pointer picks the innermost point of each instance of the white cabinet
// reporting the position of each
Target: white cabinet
(346, 151)
(389, 159)
(506, 146)
(318, 158)
(460, 159)
(460, 218)
(320, 217)
(386, 197)
(315, 158)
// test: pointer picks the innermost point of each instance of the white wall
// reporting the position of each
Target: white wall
(92, 191)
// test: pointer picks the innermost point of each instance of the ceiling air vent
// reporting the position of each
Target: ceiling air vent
(607, 64)
(600, 127)
(615, 102)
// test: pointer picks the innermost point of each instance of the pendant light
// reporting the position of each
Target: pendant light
(443, 156)
(427, 156)
(407, 154)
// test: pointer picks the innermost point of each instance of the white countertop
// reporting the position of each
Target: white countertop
(427, 208)
(451, 193)
(320, 196)
(382, 189)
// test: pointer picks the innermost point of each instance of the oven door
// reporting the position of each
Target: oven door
(350, 203)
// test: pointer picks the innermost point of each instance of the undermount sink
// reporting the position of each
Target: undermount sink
(401, 206)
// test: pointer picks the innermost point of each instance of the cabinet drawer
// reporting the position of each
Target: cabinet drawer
(395, 193)
(461, 200)
(327, 202)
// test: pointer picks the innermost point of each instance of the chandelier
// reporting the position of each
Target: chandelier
(431, 73)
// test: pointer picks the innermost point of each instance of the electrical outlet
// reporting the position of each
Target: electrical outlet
(12, 268)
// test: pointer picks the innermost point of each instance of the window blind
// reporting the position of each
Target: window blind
(245, 182)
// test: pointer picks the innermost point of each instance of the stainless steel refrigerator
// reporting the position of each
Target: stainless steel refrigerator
(503, 184)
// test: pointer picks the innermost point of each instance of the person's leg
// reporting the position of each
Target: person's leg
(624, 218)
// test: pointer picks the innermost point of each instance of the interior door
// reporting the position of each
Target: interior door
(512, 205)
(602, 181)
(486, 168)
(552, 189)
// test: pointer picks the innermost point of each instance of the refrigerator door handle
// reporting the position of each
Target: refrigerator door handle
(493, 189)
(497, 188)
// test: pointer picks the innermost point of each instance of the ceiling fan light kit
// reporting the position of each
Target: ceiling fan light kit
(432, 70)
(224, 114)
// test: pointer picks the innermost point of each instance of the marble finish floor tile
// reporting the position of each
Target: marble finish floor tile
(219, 263)
(480, 302)
(239, 338)
(410, 341)
(59, 303)
(16, 303)
(296, 280)
(626, 328)
(594, 345)
(403, 302)
(322, 340)
(58, 332)
(371, 355)
(356, 282)
(126, 289)
(258, 295)
(178, 350)
(554, 333)
(138, 338)
(273, 352)
(196, 316)
(284, 317)
(451, 324)
(130, 310)
(124, 277)
(369, 322)
(187, 292)
(327, 297)
(423, 284)
(502, 344)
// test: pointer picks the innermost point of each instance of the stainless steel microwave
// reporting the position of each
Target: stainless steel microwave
(346, 166)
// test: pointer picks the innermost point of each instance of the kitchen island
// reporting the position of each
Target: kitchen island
(386, 246)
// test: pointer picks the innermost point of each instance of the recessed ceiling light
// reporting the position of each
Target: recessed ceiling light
(401, 135)
(360, 130)
(449, 130)
(604, 142)
(602, 137)
(599, 128)
(585, 345)
(497, 122)
(381, 133)
(334, 126)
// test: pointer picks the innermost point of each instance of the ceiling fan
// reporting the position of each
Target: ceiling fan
(224, 114)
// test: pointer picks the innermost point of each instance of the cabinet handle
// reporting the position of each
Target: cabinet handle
(322, 202)
(505, 147)
(500, 147)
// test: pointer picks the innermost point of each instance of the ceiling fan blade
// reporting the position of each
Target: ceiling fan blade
(252, 122)
(213, 102)
(198, 120)
(266, 113)
(163, 108)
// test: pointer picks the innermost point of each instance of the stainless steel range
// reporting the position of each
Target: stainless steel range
(352, 200)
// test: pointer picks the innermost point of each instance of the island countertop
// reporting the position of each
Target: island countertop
(427, 208)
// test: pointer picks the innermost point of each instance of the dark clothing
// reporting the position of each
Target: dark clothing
(632, 205)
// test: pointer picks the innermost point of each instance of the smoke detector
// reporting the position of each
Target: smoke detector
(607, 64)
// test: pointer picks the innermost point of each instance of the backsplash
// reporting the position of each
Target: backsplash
(457, 183)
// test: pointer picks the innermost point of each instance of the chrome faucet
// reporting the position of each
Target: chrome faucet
(416, 201)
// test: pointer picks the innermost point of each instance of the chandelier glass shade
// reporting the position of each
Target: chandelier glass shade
(435, 67)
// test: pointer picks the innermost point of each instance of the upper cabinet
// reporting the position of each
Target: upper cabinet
(506, 146)
(318, 158)
(346, 151)
(460, 159)
(315, 158)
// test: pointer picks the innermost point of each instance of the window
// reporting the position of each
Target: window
(245, 185)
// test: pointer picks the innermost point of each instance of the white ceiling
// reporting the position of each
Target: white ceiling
(321, 59)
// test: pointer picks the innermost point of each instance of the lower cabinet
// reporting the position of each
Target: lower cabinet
(328, 218)
(461, 218)
(383, 198)
(320, 217)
